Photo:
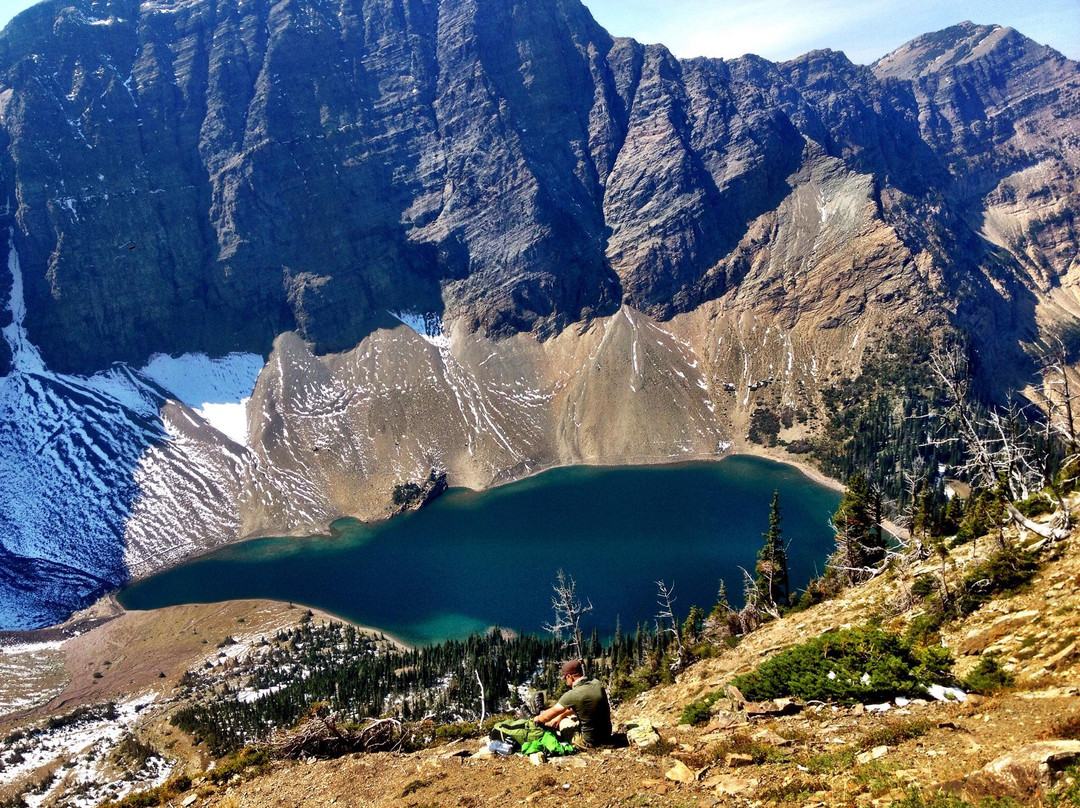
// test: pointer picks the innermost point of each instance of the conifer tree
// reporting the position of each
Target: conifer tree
(771, 583)
(860, 542)
(723, 605)
(694, 624)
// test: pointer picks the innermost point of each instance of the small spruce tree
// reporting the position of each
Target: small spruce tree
(860, 542)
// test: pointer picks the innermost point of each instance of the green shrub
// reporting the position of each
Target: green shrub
(924, 585)
(250, 760)
(895, 732)
(914, 798)
(831, 762)
(698, 712)
(1068, 792)
(860, 664)
(1004, 573)
(988, 677)
(1035, 505)
(742, 744)
(457, 730)
(797, 790)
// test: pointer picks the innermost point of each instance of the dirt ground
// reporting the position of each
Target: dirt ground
(962, 738)
(128, 653)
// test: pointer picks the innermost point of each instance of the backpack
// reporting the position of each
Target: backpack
(549, 745)
(518, 732)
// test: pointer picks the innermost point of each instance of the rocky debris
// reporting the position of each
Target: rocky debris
(757, 709)
(641, 733)
(727, 720)
(770, 738)
(876, 753)
(1025, 774)
(681, 773)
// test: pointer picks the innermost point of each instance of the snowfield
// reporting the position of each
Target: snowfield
(99, 481)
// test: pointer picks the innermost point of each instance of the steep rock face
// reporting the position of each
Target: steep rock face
(207, 175)
(619, 255)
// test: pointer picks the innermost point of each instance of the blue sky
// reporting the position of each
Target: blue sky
(782, 29)
(864, 30)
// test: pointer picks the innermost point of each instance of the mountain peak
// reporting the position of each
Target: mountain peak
(953, 46)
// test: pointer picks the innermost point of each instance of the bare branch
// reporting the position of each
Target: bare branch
(568, 610)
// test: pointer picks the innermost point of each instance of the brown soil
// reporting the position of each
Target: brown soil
(126, 653)
(961, 738)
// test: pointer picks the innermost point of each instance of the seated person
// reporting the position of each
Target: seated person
(587, 699)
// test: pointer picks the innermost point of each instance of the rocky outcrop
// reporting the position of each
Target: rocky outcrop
(1026, 774)
(198, 175)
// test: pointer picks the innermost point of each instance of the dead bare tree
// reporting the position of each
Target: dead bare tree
(483, 705)
(1056, 393)
(326, 736)
(665, 598)
(568, 610)
(914, 480)
(1001, 452)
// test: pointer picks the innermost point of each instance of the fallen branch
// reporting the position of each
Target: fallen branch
(324, 737)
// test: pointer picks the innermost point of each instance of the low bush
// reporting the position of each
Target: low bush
(914, 798)
(924, 585)
(1035, 505)
(988, 677)
(1065, 729)
(456, 731)
(860, 664)
(1068, 792)
(1004, 573)
(895, 732)
(132, 754)
(799, 790)
(698, 712)
(149, 798)
(250, 760)
(741, 744)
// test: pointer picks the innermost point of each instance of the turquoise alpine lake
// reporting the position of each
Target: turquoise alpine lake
(472, 560)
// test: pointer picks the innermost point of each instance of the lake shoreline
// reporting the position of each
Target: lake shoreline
(327, 529)
(443, 571)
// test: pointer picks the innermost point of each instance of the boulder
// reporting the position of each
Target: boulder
(771, 738)
(735, 760)
(1025, 774)
(641, 733)
(681, 773)
(731, 785)
(725, 720)
(872, 754)
(774, 707)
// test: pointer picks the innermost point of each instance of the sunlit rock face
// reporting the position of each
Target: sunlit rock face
(483, 236)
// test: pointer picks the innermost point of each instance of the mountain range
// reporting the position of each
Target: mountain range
(266, 261)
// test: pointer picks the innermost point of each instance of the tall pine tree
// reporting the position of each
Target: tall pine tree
(771, 581)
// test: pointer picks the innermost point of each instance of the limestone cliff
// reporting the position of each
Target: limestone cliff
(603, 254)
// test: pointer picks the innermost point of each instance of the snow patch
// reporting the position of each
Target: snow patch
(428, 325)
(24, 355)
(217, 389)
